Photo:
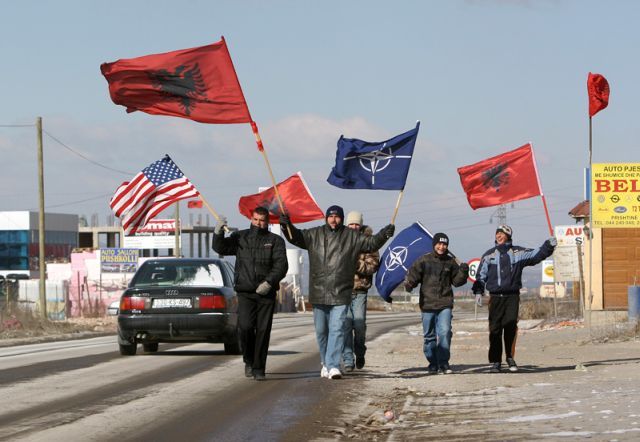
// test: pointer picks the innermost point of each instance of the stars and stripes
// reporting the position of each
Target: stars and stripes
(150, 192)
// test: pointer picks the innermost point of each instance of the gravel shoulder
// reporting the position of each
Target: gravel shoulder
(567, 388)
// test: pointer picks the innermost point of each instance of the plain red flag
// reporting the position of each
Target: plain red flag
(598, 89)
(511, 176)
(198, 83)
(296, 197)
(194, 204)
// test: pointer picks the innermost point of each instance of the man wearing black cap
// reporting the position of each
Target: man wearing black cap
(436, 272)
(500, 273)
(333, 254)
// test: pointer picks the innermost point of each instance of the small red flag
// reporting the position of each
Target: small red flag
(198, 83)
(296, 197)
(598, 89)
(511, 176)
(194, 204)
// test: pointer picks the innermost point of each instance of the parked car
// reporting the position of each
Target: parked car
(179, 300)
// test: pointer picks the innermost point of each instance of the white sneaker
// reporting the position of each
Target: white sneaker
(334, 373)
(324, 373)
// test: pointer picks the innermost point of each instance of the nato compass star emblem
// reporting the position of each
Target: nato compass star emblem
(376, 161)
(396, 258)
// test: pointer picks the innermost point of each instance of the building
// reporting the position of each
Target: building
(19, 244)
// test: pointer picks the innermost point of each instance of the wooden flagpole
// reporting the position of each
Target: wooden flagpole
(254, 128)
(544, 200)
(395, 212)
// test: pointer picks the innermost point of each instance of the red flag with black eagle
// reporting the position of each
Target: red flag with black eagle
(507, 177)
(296, 197)
(598, 89)
(198, 83)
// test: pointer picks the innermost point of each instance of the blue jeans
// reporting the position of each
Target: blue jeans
(355, 330)
(329, 324)
(436, 325)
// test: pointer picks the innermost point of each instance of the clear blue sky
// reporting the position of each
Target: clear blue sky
(482, 76)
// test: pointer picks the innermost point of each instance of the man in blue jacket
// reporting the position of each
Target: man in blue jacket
(500, 273)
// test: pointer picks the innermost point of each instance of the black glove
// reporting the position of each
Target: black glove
(464, 267)
(388, 230)
(284, 219)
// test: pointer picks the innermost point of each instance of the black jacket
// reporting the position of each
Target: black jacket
(436, 275)
(333, 257)
(260, 256)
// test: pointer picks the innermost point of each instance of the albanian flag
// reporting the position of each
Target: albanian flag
(508, 177)
(296, 198)
(598, 89)
(198, 83)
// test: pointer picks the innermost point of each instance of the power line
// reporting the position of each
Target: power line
(78, 201)
(84, 157)
(17, 125)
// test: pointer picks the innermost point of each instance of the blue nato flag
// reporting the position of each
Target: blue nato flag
(374, 165)
(408, 245)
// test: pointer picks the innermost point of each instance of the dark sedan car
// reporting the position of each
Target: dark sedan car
(179, 300)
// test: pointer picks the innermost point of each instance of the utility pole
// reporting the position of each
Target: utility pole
(500, 214)
(41, 258)
(176, 250)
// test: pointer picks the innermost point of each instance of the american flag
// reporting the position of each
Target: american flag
(149, 193)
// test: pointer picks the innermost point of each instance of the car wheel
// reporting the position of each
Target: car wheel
(233, 346)
(128, 349)
(151, 347)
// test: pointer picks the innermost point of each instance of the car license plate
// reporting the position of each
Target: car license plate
(172, 302)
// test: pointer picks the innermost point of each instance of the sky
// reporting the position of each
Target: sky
(482, 76)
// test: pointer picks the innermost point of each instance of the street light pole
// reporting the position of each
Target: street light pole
(41, 239)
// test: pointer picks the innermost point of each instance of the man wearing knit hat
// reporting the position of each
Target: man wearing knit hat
(356, 322)
(500, 273)
(436, 272)
(333, 254)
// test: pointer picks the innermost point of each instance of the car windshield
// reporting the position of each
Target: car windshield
(179, 274)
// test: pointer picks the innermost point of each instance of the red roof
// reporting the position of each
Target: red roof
(581, 210)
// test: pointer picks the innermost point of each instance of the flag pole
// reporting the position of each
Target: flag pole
(591, 233)
(395, 212)
(213, 212)
(544, 200)
(254, 128)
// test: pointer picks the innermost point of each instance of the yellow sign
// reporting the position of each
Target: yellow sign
(615, 194)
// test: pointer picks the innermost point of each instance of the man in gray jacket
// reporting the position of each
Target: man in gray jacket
(333, 255)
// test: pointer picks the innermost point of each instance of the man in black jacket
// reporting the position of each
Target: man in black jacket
(261, 262)
(436, 272)
(500, 273)
(333, 255)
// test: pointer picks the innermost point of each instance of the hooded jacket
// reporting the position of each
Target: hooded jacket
(436, 274)
(333, 255)
(500, 268)
(260, 256)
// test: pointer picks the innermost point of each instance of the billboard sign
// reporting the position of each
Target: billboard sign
(118, 260)
(615, 195)
(156, 234)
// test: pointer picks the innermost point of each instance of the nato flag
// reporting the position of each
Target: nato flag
(408, 245)
(380, 165)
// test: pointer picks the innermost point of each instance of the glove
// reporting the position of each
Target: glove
(264, 288)
(388, 231)
(464, 267)
(284, 219)
(221, 224)
(408, 289)
(478, 299)
(553, 241)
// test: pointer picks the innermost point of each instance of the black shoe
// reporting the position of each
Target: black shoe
(513, 367)
(259, 377)
(248, 371)
(359, 362)
(432, 369)
(495, 367)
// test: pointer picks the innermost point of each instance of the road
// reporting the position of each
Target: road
(84, 390)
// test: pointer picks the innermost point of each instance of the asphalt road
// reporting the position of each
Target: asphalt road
(84, 390)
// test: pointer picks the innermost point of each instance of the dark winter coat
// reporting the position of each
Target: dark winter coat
(368, 264)
(500, 268)
(333, 255)
(436, 275)
(260, 256)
